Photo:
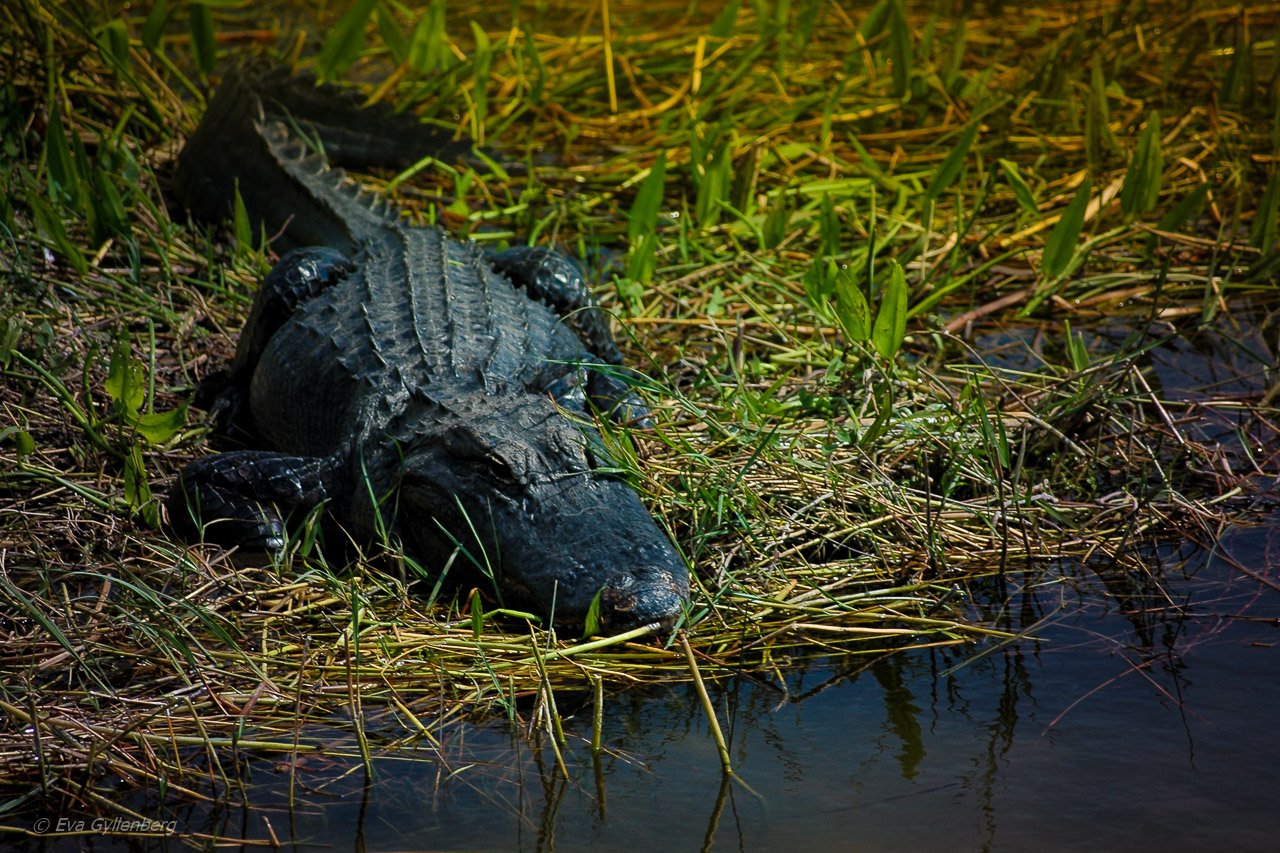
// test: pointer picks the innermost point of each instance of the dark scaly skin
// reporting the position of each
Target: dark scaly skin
(411, 384)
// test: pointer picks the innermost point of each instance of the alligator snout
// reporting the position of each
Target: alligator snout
(643, 596)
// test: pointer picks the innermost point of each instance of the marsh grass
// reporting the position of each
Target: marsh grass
(809, 217)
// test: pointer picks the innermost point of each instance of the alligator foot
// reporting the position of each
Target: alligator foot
(241, 498)
(592, 384)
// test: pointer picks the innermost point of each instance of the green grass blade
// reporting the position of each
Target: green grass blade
(891, 320)
(1021, 192)
(954, 162)
(427, 51)
(1263, 233)
(1060, 248)
(852, 310)
(64, 177)
(1141, 188)
(643, 218)
(50, 222)
(153, 26)
(345, 41)
(204, 39)
(722, 26)
(900, 49)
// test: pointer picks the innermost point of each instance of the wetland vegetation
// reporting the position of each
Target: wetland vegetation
(894, 276)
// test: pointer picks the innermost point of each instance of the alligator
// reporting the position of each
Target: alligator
(407, 385)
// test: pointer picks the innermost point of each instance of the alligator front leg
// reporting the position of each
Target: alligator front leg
(603, 386)
(242, 498)
(300, 275)
(557, 281)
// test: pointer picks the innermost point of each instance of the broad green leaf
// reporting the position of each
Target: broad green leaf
(820, 282)
(392, 35)
(875, 20)
(110, 218)
(900, 50)
(713, 186)
(1141, 188)
(1098, 80)
(124, 384)
(828, 229)
(538, 88)
(477, 614)
(643, 259)
(891, 319)
(884, 409)
(852, 310)
(776, 221)
(954, 162)
(643, 218)
(483, 45)
(159, 427)
(136, 489)
(23, 443)
(426, 45)
(153, 26)
(240, 222)
(1060, 248)
(9, 334)
(482, 61)
(204, 39)
(1239, 75)
(1021, 191)
(345, 41)
(591, 626)
(806, 17)
(50, 223)
(461, 185)
(113, 43)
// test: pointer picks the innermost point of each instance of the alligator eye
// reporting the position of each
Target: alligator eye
(499, 468)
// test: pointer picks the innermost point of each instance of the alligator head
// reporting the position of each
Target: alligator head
(531, 499)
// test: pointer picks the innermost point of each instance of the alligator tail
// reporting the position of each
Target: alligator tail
(254, 136)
